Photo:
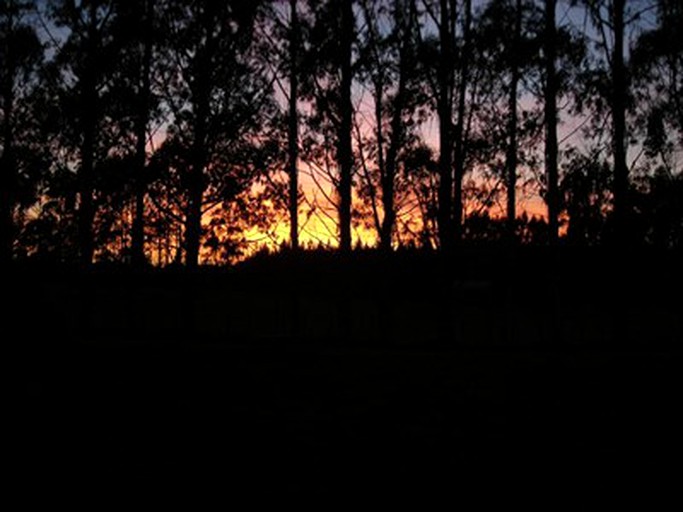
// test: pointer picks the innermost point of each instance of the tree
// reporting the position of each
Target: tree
(510, 49)
(585, 189)
(345, 148)
(657, 66)
(21, 56)
(449, 52)
(330, 67)
(618, 107)
(611, 19)
(444, 100)
(284, 38)
(551, 119)
(137, 28)
(511, 158)
(85, 70)
(388, 67)
(216, 90)
(293, 133)
(461, 131)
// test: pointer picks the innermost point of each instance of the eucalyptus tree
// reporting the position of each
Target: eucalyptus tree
(216, 89)
(445, 21)
(506, 39)
(558, 54)
(611, 85)
(331, 66)
(21, 57)
(657, 66)
(138, 33)
(295, 36)
(85, 64)
(345, 148)
(286, 40)
(512, 150)
(657, 69)
(388, 65)
(449, 53)
(550, 94)
(461, 128)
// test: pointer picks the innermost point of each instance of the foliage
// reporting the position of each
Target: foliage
(211, 107)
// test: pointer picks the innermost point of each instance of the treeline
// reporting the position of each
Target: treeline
(178, 131)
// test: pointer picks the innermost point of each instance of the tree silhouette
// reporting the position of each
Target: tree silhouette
(330, 65)
(611, 18)
(388, 51)
(618, 107)
(137, 27)
(293, 133)
(21, 56)
(515, 49)
(551, 119)
(563, 52)
(657, 65)
(169, 131)
(460, 131)
(84, 57)
(657, 68)
(511, 159)
(444, 95)
(216, 91)
(345, 149)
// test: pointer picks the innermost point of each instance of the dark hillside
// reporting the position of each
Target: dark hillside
(392, 371)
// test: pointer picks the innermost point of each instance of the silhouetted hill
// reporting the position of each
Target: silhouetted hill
(477, 297)
(327, 375)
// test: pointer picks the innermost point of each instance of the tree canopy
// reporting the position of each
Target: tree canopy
(168, 131)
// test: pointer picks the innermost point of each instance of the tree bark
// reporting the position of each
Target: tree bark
(397, 136)
(550, 106)
(193, 216)
(619, 88)
(142, 121)
(89, 122)
(511, 159)
(293, 149)
(345, 149)
(460, 126)
(445, 113)
(381, 160)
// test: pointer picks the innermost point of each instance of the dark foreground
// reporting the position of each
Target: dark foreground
(273, 416)
(313, 420)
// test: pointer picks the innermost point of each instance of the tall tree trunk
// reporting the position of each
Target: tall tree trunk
(89, 122)
(193, 216)
(550, 106)
(345, 149)
(86, 210)
(445, 113)
(8, 170)
(460, 126)
(381, 161)
(397, 136)
(142, 120)
(619, 88)
(389, 178)
(201, 100)
(511, 159)
(294, 125)
(8, 180)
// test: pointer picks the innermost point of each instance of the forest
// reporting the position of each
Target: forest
(335, 248)
(173, 132)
